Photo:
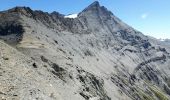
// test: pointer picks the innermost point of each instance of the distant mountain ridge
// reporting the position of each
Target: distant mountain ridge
(93, 56)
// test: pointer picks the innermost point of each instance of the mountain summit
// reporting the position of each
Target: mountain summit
(94, 6)
(93, 56)
(95, 9)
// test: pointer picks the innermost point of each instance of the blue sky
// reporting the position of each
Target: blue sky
(148, 16)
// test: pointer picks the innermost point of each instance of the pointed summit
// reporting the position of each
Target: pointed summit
(94, 6)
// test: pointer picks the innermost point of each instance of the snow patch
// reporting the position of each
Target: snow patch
(162, 39)
(71, 16)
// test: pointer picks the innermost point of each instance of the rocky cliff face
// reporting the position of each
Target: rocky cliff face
(45, 56)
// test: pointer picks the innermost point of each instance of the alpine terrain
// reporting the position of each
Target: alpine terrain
(89, 56)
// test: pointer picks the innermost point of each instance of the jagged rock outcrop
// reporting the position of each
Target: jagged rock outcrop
(95, 56)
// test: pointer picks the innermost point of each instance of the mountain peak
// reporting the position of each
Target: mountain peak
(94, 6)
(23, 10)
(95, 3)
(20, 9)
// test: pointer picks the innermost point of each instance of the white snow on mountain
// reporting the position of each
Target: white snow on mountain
(71, 16)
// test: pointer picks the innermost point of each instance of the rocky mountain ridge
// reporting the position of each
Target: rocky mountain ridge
(95, 56)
